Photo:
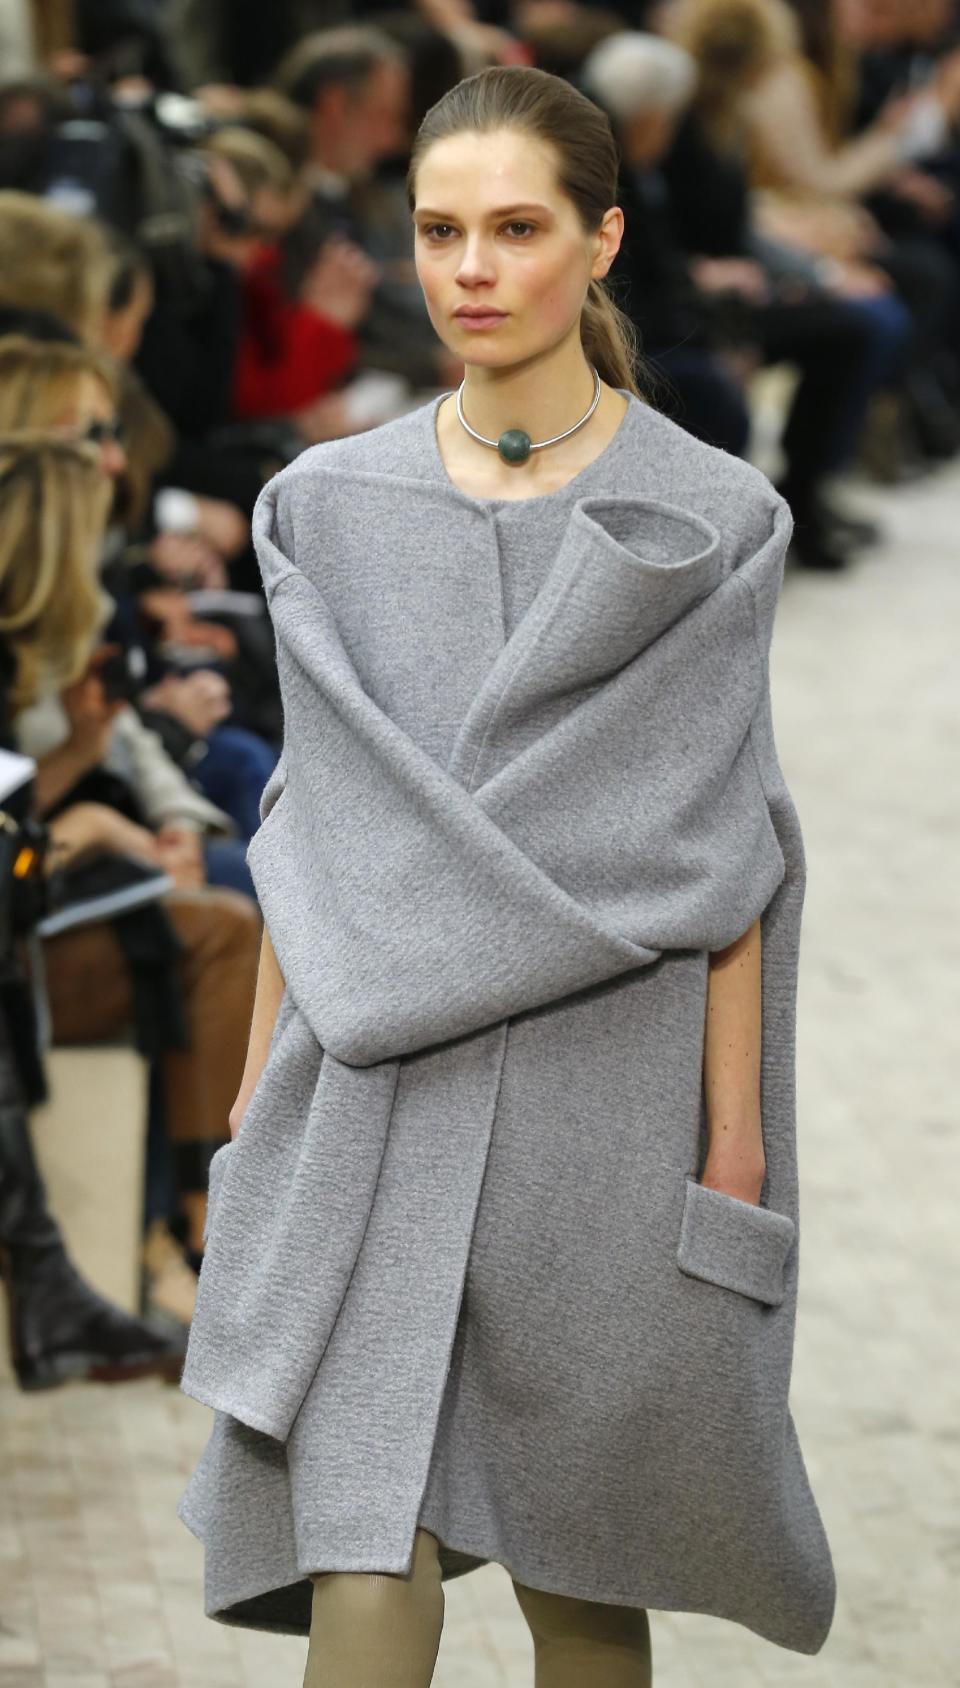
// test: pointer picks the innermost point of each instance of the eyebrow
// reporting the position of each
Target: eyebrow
(501, 211)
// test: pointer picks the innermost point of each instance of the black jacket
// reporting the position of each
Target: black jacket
(651, 271)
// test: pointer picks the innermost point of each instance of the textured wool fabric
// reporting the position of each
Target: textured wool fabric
(459, 1269)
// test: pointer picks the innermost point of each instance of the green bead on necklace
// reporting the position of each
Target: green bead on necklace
(515, 444)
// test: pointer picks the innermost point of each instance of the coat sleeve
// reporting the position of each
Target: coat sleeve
(273, 543)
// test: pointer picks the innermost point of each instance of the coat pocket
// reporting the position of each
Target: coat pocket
(733, 1243)
(214, 1180)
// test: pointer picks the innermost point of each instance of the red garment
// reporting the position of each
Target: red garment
(288, 353)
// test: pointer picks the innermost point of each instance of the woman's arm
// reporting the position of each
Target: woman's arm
(731, 1069)
(266, 1004)
(787, 134)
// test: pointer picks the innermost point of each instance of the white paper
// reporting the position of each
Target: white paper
(15, 771)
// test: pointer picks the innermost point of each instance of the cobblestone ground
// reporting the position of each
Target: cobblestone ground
(100, 1584)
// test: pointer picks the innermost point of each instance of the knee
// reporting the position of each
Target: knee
(234, 924)
(220, 935)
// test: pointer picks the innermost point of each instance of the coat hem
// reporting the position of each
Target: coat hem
(535, 1578)
(245, 1415)
(548, 1584)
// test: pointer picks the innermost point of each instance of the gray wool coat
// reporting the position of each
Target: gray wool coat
(460, 1270)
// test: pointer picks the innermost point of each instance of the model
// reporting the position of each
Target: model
(502, 1261)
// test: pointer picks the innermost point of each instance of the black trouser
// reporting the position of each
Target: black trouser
(829, 341)
(831, 345)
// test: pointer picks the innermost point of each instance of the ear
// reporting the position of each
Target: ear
(608, 239)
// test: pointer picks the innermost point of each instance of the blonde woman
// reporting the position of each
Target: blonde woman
(53, 496)
(58, 1327)
(799, 114)
(53, 262)
(71, 392)
(785, 75)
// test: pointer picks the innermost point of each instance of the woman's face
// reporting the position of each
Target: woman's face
(90, 415)
(493, 231)
(123, 329)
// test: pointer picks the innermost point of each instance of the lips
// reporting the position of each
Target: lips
(468, 316)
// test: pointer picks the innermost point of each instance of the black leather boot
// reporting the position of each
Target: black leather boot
(60, 1328)
(815, 543)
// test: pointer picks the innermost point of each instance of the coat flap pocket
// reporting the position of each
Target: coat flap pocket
(733, 1243)
(214, 1179)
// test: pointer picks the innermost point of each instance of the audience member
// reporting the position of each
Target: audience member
(53, 498)
(354, 86)
(688, 304)
(58, 1327)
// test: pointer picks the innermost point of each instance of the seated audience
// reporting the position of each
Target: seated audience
(54, 496)
(58, 1327)
(687, 305)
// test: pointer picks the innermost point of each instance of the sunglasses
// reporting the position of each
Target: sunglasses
(99, 432)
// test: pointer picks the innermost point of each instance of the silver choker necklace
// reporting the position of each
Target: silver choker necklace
(515, 445)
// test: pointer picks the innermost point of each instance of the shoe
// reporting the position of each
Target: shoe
(853, 531)
(814, 547)
(59, 1328)
(934, 421)
(170, 1286)
(62, 1330)
(888, 451)
(815, 542)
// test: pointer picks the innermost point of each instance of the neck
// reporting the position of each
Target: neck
(544, 397)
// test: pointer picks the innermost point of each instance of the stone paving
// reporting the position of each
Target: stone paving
(101, 1585)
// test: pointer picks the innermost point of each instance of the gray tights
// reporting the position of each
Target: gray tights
(373, 1630)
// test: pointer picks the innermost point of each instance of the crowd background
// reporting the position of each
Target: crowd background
(205, 267)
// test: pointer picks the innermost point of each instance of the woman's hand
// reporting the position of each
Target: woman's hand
(171, 611)
(340, 281)
(91, 715)
(737, 1168)
(180, 853)
(896, 113)
(487, 43)
(325, 418)
(87, 828)
(188, 558)
(200, 700)
(932, 198)
(222, 525)
(731, 275)
(858, 281)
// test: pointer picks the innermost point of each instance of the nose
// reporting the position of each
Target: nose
(113, 458)
(476, 264)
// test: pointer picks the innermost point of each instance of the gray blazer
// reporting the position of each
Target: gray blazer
(460, 1270)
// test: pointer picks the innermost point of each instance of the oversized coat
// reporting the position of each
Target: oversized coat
(460, 1269)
